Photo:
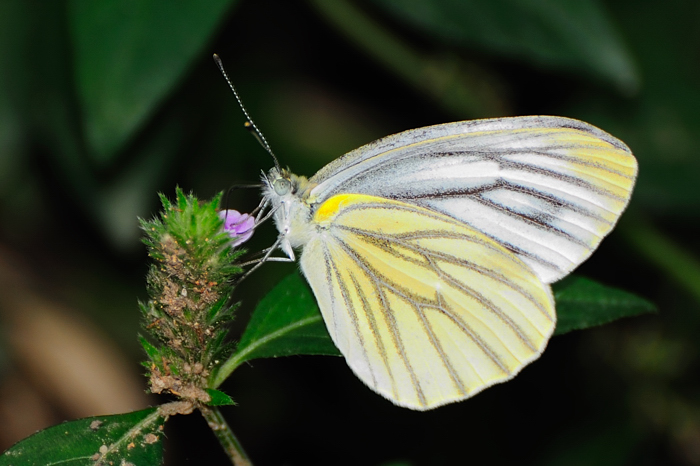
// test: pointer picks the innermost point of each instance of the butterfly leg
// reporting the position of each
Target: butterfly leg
(260, 209)
(265, 258)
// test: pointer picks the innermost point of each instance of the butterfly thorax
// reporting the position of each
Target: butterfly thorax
(288, 196)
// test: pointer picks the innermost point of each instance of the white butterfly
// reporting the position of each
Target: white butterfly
(430, 252)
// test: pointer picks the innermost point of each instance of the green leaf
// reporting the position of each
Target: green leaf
(286, 322)
(131, 438)
(572, 34)
(219, 398)
(129, 55)
(583, 303)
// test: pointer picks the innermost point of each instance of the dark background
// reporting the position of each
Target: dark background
(104, 104)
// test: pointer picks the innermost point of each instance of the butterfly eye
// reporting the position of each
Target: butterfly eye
(282, 186)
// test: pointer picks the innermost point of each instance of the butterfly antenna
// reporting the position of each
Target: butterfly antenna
(249, 124)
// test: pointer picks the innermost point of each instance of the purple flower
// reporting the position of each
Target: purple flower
(239, 226)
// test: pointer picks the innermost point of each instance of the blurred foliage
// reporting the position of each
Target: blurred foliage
(102, 104)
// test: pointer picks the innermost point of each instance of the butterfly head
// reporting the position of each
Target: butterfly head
(281, 185)
(287, 194)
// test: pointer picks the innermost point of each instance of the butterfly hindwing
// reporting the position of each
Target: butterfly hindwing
(425, 309)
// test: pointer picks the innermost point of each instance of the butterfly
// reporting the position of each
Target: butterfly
(431, 252)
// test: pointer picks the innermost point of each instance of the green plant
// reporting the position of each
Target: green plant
(104, 103)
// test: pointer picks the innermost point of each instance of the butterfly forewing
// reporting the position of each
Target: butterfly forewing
(546, 188)
(425, 309)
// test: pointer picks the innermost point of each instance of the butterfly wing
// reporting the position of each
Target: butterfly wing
(546, 188)
(425, 309)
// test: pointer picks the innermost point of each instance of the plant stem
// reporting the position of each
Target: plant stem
(225, 435)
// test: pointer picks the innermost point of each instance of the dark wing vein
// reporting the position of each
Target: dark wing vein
(353, 318)
(375, 330)
(405, 294)
(385, 308)
(385, 241)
